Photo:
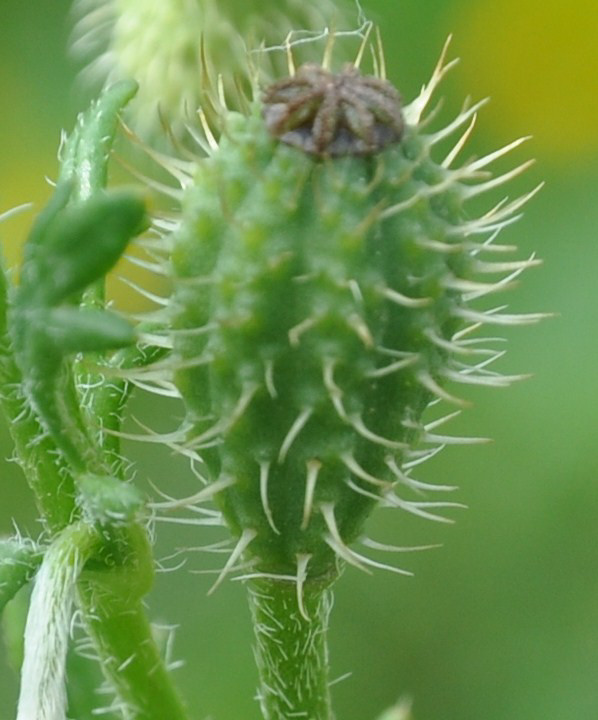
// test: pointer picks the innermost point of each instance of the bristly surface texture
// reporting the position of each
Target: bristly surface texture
(169, 46)
(324, 298)
(328, 281)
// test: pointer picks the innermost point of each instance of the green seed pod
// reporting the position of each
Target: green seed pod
(324, 270)
(326, 267)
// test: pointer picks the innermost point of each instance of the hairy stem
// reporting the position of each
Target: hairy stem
(290, 625)
(110, 596)
(43, 465)
(130, 658)
(43, 695)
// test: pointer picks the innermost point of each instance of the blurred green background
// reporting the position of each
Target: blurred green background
(501, 623)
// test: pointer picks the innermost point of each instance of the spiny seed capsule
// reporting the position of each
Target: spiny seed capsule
(327, 114)
(320, 308)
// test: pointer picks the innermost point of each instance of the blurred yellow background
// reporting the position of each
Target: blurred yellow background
(501, 623)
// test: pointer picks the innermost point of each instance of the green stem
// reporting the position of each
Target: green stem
(86, 157)
(291, 648)
(105, 403)
(110, 596)
(113, 553)
(43, 465)
(129, 657)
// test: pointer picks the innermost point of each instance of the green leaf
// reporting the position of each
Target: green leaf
(85, 154)
(46, 217)
(78, 246)
(13, 622)
(74, 247)
(108, 500)
(86, 330)
(19, 560)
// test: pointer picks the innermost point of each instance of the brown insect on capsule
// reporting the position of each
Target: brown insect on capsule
(328, 114)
